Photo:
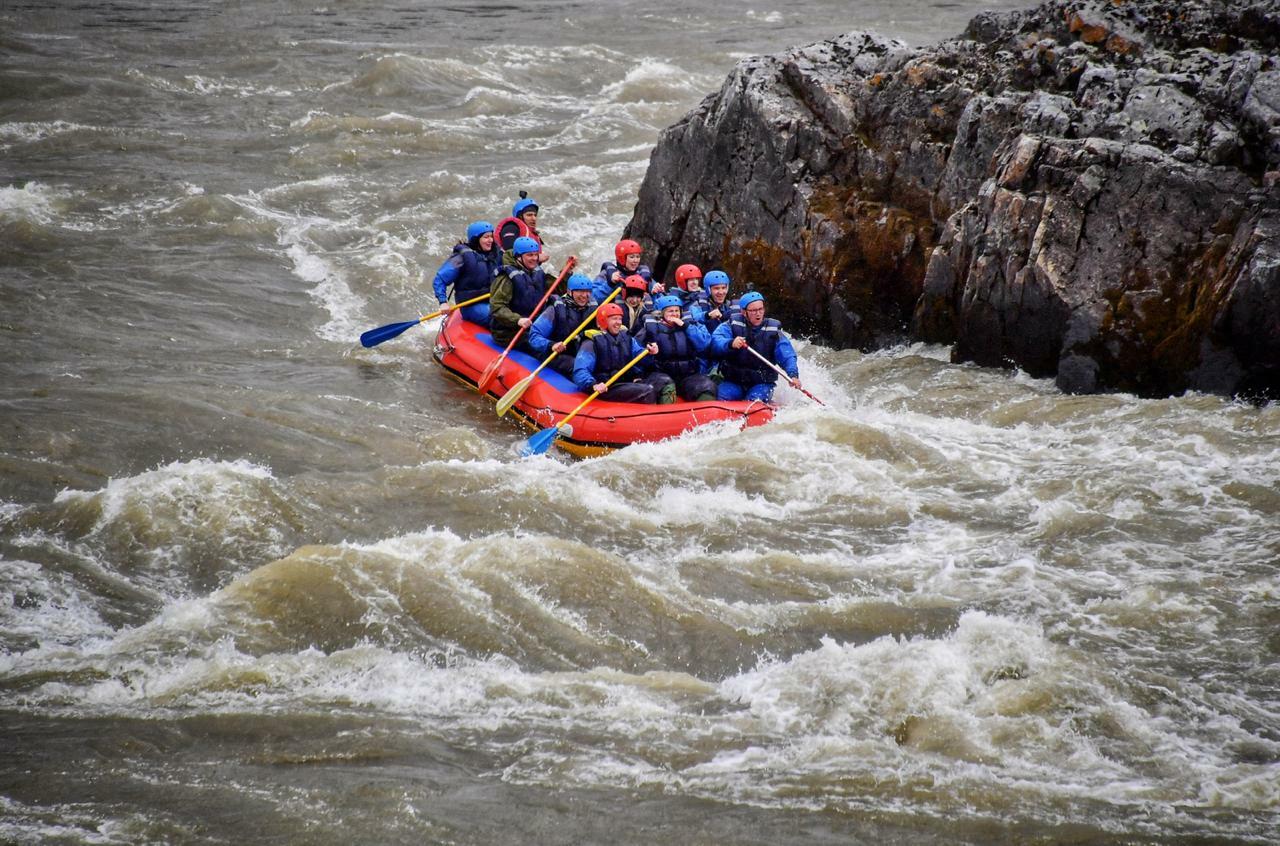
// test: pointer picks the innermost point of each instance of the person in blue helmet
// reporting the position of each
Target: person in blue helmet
(607, 352)
(516, 291)
(470, 271)
(717, 308)
(679, 358)
(629, 263)
(523, 223)
(548, 332)
(745, 375)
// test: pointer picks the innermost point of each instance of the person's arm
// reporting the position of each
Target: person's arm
(785, 354)
(721, 339)
(446, 276)
(540, 332)
(698, 336)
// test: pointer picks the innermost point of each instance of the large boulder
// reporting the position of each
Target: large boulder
(1088, 190)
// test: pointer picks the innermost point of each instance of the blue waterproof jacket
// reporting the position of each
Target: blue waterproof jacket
(768, 339)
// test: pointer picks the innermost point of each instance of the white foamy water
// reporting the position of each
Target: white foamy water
(284, 587)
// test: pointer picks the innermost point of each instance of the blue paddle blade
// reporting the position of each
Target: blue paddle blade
(385, 333)
(540, 442)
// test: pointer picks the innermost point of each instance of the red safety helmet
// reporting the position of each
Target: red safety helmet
(604, 312)
(634, 282)
(625, 248)
(684, 273)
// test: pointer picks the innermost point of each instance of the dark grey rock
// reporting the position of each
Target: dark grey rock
(1087, 190)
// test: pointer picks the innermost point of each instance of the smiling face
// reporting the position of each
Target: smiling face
(580, 298)
(529, 261)
(485, 241)
(632, 262)
(719, 293)
(635, 300)
(613, 324)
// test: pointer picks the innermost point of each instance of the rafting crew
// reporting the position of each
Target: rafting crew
(469, 271)
(523, 223)
(745, 375)
(629, 262)
(679, 357)
(555, 324)
(516, 290)
(604, 354)
(704, 345)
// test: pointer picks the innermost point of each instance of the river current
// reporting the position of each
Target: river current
(259, 584)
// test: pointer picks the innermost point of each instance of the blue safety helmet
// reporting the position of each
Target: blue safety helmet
(480, 227)
(715, 277)
(750, 297)
(523, 205)
(523, 245)
(579, 282)
(665, 302)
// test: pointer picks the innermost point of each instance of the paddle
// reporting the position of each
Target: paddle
(541, 441)
(385, 333)
(510, 397)
(486, 378)
(784, 375)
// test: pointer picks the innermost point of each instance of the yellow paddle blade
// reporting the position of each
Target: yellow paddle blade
(509, 398)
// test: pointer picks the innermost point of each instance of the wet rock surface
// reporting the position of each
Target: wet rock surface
(1086, 190)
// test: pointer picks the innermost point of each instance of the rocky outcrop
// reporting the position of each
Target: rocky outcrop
(1087, 190)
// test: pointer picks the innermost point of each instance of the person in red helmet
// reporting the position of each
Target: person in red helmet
(629, 256)
(634, 308)
(689, 287)
(607, 352)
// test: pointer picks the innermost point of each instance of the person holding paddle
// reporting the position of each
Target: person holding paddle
(516, 291)
(753, 349)
(555, 324)
(604, 355)
(470, 271)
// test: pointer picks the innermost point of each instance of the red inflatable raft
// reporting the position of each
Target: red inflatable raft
(464, 349)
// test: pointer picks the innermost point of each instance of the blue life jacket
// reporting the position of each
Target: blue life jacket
(476, 274)
(743, 368)
(612, 354)
(676, 355)
(566, 317)
(727, 311)
(527, 288)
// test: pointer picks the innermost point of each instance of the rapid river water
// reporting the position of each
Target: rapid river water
(261, 585)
